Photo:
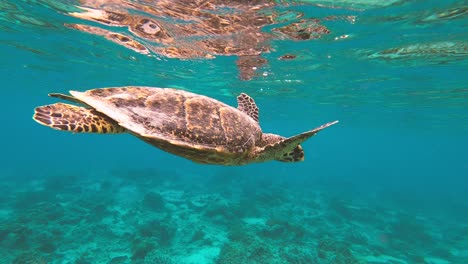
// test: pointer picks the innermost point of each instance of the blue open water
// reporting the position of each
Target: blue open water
(388, 184)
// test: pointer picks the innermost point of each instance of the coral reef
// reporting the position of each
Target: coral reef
(122, 219)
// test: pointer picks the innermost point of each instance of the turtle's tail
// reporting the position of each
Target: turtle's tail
(76, 119)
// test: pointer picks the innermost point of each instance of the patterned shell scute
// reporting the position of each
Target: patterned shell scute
(178, 116)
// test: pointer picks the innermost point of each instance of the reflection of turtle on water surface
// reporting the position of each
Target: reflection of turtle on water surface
(192, 126)
(196, 29)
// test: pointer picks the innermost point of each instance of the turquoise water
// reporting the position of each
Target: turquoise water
(388, 184)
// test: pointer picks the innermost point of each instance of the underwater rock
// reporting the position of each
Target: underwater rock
(232, 253)
(29, 258)
(282, 229)
(414, 258)
(41, 213)
(198, 235)
(339, 207)
(238, 232)
(442, 253)
(158, 257)
(173, 196)
(48, 246)
(4, 231)
(297, 255)
(410, 230)
(201, 201)
(154, 201)
(96, 212)
(161, 231)
(22, 237)
(354, 236)
(261, 253)
(140, 249)
(384, 259)
(84, 259)
(223, 211)
(245, 247)
(119, 260)
(335, 251)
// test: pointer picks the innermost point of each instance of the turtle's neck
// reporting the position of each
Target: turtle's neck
(268, 139)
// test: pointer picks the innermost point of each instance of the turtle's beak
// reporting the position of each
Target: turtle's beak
(298, 153)
(295, 155)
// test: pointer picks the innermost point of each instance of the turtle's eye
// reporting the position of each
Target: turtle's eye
(149, 27)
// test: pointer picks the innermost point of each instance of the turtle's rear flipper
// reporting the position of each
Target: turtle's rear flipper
(76, 119)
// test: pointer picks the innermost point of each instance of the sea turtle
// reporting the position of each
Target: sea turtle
(190, 125)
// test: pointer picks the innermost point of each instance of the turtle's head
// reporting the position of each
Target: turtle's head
(295, 155)
(280, 151)
(274, 147)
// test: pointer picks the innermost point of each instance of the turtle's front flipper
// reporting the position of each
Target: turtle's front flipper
(298, 139)
(76, 119)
